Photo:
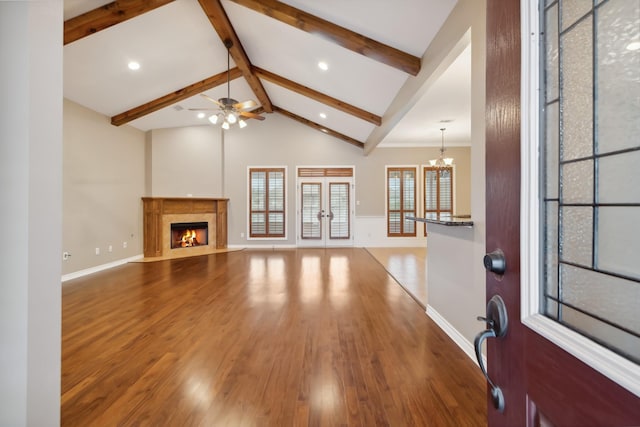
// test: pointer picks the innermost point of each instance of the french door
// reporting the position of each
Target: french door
(534, 379)
(325, 207)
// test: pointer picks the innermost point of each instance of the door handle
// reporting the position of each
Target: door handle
(330, 216)
(497, 323)
(495, 262)
(320, 215)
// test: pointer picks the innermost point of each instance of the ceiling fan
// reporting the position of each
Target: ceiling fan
(230, 111)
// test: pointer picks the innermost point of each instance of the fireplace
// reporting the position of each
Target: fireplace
(164, 216)
(189, 234)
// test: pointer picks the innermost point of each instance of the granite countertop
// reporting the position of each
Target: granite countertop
(445, 219)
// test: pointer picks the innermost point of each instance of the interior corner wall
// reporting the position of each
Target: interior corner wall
(103, 181)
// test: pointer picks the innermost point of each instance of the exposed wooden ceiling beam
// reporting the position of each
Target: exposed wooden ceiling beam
(339, 35)
(320, 97)
(319, 127)
(220, 21)
(177, 96)
(106, 16)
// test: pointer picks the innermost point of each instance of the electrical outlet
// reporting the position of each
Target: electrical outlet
(97, 251)
(65, 256)
(241, 235)
(124, 245)
(110, 248)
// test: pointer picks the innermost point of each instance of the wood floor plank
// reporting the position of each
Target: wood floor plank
(300, 337)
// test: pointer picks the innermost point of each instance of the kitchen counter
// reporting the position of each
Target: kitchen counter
(445, 219)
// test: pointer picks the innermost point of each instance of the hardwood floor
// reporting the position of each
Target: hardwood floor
(408, 266)
(259, 338)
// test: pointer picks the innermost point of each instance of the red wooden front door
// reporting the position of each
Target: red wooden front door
(541, 383)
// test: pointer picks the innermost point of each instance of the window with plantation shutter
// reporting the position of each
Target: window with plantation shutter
(438, 190)
(267, 202)
(401, 201)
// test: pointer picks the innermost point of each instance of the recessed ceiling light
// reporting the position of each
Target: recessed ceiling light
(133, 65)
(323, 66)
(323, 116)
(201, 115)
(633, 45)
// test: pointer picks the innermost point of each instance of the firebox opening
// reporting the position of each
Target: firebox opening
(189, 234)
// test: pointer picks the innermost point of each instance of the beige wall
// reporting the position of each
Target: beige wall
(107, 170)
(103, 180)
(186, 161)
(279, 141)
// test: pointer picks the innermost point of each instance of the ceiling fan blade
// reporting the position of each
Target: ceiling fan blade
(251, 115)
(203, 109)
(244, 105)
(211, 99)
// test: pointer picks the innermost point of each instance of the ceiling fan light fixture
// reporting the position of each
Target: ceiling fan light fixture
(231, 111)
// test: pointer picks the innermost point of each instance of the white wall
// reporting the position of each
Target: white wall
(30, 211)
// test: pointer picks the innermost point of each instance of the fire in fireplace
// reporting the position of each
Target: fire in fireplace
(189, 234)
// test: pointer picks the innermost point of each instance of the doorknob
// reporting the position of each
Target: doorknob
(495, 262)
(497, 323)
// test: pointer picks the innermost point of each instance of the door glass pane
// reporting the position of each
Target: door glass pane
(618, 74)
(577, 182)
(551, 57)
(576, 93)
(591, 268)
(576, 234)
(619, 241)
(615, 183)
(339, 210)
(311, 202)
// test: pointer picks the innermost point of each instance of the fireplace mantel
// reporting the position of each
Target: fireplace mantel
(160, 211)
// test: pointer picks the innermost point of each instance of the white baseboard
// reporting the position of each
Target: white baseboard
(456, 336)
(262, 246)
(87, 271)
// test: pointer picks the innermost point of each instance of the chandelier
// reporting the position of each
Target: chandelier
(441, 161)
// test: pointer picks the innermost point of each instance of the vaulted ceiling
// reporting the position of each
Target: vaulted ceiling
(372, 48)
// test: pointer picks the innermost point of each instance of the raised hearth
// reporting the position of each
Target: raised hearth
(161, 212)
